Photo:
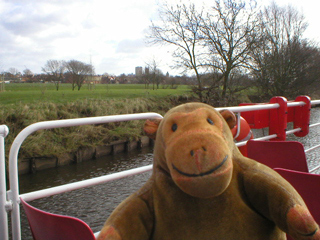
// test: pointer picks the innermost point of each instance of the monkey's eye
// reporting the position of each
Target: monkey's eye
(174, 127)
(210, 121)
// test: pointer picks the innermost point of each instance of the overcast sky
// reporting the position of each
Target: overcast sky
(110, 34)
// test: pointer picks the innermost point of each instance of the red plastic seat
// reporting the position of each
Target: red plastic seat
(279, 154)
(48, 226)
(306, 184)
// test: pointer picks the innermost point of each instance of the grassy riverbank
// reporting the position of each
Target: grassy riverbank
(24, 104)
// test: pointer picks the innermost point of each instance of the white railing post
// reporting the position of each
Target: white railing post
(4, 130)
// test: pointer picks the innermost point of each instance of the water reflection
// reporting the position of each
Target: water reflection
(93, 205)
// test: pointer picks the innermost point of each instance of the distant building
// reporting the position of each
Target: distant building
(146, 70)
(139, 71)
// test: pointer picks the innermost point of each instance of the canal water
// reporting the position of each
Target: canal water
(94, 204)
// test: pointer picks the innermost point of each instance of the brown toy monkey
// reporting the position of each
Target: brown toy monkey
(203, 188)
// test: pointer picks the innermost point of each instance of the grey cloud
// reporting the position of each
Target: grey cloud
(26, 24)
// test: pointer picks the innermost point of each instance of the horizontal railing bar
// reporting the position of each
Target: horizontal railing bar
(260, 107)
(240, 144)
(293, 131)
(264, 106)
(250, 107)
(314, 169)
(82, 184)
(315, 102)
(266, 137)
(314, 125)
(83, 121)
(312, 148)
(295, 104)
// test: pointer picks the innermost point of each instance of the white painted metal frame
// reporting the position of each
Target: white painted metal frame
(3, 188)
(13, 193)
(12, 201)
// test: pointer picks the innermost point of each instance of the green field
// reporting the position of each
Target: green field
(26, 103)
(45, 92)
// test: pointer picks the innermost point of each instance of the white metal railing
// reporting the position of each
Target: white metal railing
(3, 187)
(12, 200)
(13, 193)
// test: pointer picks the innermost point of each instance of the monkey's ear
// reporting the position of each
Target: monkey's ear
(229, 117)
(150, 127)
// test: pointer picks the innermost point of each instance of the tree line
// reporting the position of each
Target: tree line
(56, 71)
(77, 73)
(234, 44)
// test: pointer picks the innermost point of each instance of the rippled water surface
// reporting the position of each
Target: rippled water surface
(93, 205)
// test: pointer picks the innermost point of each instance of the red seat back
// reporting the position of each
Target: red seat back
(306, 184)
(48, 226)
(279, 154)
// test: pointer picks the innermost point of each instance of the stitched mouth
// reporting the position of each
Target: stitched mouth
(201, 174)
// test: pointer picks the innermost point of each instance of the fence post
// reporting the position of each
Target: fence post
(301, 117)
(278, 118)
(4, 130)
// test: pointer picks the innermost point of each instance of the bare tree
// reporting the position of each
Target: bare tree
(228, 33)
(12, 74)
(13, 71)
(285, 63)
(79, 72)
(214, 39)
(179, 26)
(55, 70)
(28, 74)
(146, 76)
(154, 73)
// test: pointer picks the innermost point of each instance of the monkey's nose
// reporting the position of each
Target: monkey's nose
(192, 152)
